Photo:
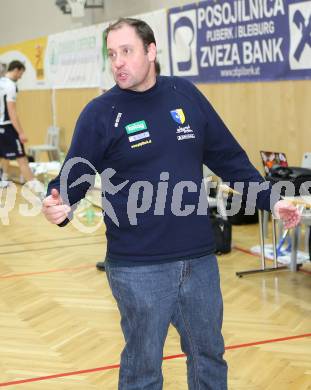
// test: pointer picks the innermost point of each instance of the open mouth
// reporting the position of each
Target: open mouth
(122, 76)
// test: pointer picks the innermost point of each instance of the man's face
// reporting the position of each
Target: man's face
(18, 73)
(131, 65)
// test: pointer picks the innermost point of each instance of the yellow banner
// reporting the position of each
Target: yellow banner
(32, 51)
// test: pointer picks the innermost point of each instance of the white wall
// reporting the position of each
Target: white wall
(22, 20)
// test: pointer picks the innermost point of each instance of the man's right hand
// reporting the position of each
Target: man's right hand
(54, 209)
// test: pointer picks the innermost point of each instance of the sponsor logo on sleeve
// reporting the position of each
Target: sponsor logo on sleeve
(116, 123)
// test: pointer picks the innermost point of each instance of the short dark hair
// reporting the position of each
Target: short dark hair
(16, 65)
(157, 67)
(143, 30)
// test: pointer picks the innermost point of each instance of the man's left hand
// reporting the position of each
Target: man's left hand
(288, 213)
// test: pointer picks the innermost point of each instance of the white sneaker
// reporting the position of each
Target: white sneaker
(4, 183)
(4, 176)
(36, 187)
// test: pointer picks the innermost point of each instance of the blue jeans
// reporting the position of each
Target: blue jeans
(150, 298)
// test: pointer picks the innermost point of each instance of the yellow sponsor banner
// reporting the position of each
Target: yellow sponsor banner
(30, 52)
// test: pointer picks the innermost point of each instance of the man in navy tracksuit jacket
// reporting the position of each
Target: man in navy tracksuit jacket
(149, 137)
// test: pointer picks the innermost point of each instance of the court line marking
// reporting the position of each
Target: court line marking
(52, 239)
(113, 366)
(12, 276)
(71, 269)
(51, 248)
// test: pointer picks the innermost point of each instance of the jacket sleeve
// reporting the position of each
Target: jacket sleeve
(84, 158)
(224, 156)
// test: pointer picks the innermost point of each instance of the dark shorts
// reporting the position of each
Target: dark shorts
(10, 144)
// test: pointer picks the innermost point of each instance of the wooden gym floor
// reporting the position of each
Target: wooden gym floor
(59, 324)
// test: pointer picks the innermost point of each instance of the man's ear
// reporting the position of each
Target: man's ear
(152, 52)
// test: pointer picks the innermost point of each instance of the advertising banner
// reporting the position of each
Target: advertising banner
(31, 53)
(73, 58)
(241, 40)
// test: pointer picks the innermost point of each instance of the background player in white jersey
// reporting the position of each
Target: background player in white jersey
(12, 135)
